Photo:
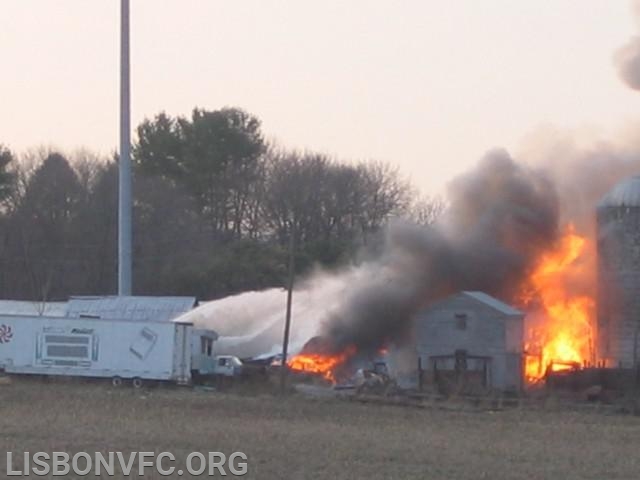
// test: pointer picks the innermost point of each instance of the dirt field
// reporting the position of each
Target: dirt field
(300, 438)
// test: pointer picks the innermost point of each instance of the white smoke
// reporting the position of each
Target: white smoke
(251, 324)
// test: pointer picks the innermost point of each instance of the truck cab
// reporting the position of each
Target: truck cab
(204, 362)
(228, 366)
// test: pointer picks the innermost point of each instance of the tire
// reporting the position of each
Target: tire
(116, 381)
(137, 383)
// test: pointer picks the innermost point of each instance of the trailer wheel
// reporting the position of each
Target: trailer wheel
(137, 382)
(116, 381)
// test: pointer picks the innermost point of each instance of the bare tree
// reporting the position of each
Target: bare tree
(426, 209)
(333, 205)
(384, 193)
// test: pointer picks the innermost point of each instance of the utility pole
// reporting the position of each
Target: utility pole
(287, 324)
(124, 177)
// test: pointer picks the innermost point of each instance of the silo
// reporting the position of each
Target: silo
(618, 227)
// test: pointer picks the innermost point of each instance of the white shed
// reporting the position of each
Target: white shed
(471, 338)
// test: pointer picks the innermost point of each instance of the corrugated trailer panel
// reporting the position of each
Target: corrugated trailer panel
(94, 347)
(182, 352)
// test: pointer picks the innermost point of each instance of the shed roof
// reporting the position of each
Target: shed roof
(493, 303)
(22, 307)
(130, 308)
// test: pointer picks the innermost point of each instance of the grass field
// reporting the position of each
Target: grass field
(301, 438)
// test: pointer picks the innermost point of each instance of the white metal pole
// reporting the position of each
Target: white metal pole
(124, 190)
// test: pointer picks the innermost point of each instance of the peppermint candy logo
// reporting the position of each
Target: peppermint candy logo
(5, 334)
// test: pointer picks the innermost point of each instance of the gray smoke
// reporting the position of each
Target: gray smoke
(627, 58)
(502, 215)
(582, 170)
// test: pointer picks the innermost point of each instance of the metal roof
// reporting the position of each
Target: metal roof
(493, 303)
(130, 308)
(624, 194)
(20, 307)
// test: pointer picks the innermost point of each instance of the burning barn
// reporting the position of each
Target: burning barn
(618, 219)
(470, 339)
(506, 233)
(502, 234)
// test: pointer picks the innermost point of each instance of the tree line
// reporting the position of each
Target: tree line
(215, 205)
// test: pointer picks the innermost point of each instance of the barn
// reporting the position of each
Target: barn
(470, 339)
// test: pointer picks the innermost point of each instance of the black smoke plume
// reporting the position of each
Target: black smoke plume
(502, 215)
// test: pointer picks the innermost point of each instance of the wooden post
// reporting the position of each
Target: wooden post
(484, 373)
(636, 371)
(420, 380)
(436, 379)
(284, 369)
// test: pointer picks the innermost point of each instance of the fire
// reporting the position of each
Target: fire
(560, 335)
(320, 363)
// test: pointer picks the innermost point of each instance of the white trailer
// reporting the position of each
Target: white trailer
(99, 347)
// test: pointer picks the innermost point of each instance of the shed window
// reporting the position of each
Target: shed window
(206, 346)
(461, 321)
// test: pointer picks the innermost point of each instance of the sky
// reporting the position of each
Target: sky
(427, 85)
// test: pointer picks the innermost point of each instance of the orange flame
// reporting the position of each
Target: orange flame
(319, 363)
(559, 332)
